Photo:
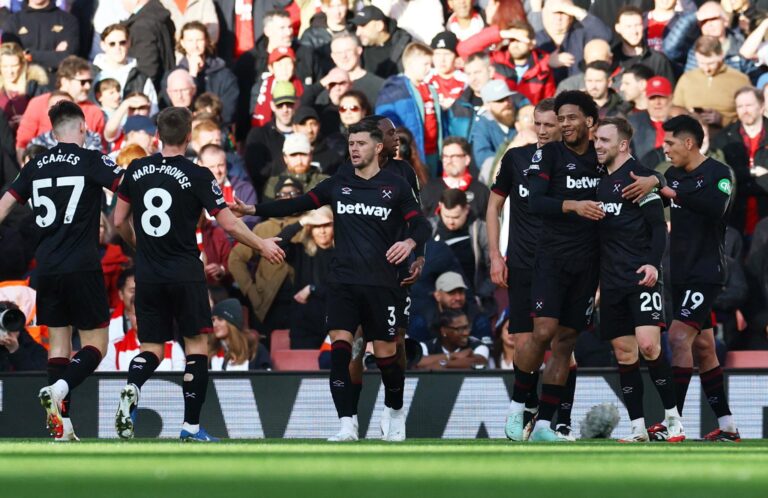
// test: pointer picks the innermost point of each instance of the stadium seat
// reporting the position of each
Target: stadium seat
(747, 359)
(295, 360)
(280, 340)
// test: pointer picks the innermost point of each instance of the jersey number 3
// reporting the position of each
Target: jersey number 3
(39, 200)
(155, 220)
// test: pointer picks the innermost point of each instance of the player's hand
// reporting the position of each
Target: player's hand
(240, 209)
(10, 342)
(650, 275)
(214, 271)
(499, 271)
(590, 210)
(271, 251)
(668, 192)
(400, 251)
(302, 296)
(642, 186)
(415, 272)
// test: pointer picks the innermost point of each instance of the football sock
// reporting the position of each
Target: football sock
(566, 402)
(632, 389)
(355, 390)
(682, 377)
(532, 403)
(56, 368)
(393, 378)
(194, 387)
(549, 402)
(340, 381)
(525, 382)
(726, 423)
(142, 367)
(83, 364)
(714, 388)
(661, 374)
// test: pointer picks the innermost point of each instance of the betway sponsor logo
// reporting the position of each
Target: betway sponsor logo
(613, 208)
(363, 209)
(584, 182)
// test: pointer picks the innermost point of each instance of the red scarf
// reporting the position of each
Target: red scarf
(244, 38)
(463, 181)
(262, 112)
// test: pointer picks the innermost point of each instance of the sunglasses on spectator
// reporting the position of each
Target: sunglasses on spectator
(284, 105)
(83, 82)
(122, 43)
(287, 195)
(351, 108)
(337, 83)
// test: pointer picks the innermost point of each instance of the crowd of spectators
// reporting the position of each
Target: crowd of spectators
(275, 84)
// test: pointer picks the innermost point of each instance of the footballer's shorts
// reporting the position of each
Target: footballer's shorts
(693, 304)
(377, 309)
(404, 308)
(565, 289)
(158, 305)
(623, 310)
(519, 291)
(78, 299)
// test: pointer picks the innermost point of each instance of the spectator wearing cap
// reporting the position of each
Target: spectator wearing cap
(445, 77)
(307, 121)
(495, 124)
(140, 130)
(408, 101)
(282, 67)
(465, 20)
(210, 73)
(214, 157)
(647, 125)
(268, 287)
(230, 347)
(634, 82)
(525, 67)
(709, 89)
(325, 96)
(422, 19)
(745, 146)
(347, 53)
(47, 33)
(452, 346)
(630, 48)
(297, 157)
(152, 37)
(450, 294)
(598, 83)
(383, 42)
(332, 19)
(264, 145)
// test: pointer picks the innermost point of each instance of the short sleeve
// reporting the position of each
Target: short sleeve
(321, 193)
(502, 184)
(409, 204)
(208, 192)
(21, 187)
(106, 172)
(124, 190)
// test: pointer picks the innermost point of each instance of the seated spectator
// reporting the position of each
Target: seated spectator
(503, 351)
(135, 104)
(297, 156)
(282, 65)
(200, 11)
(347, 52)
(457, 157)
(230, 348)
(307, 122)
(445, 77)
(269, 287)
(113, 261)
(324, 96)
(495, 124)
(453, 347)
(450, 293)
(353, 106)
(408, 101)
(649, 134)
(214, 158)
(209, 72)
(309, 249)
(152, 41)
(383, 42)
(19, 82)
(204, 131)
(47, 140)
(330, 21)
(19, 352)
(74, 78)
(595, 50)
(47, 33)
(464, 21)
(114, 63)
(264, 145)
(632, 89)
(216, 247)
(598, 83)
(631, 48)
(180, 88)
(712, 20)
(709, 88)
(140, 130)
(107, 94)
(659, 22)
(461, 115)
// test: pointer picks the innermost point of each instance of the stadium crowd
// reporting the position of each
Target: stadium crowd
(275, 84)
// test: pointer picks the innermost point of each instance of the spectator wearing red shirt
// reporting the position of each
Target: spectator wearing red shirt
(282, 67)
(464, 21)
(647, 124)
(445, 77)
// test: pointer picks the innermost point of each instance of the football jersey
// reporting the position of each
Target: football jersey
(65, 185)
(524, 226)
(625, 232)
(167, 196)
(698, 215)
(556, 174)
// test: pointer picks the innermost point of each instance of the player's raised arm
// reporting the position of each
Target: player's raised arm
(237, 229)
(122, 221)
(653, 212)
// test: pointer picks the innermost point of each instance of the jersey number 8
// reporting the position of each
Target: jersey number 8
(153, 212)
(38, 200)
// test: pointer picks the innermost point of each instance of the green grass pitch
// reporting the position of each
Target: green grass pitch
(416, 468)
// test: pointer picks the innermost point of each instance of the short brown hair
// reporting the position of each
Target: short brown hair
(545, 105)
(708, 46)
(461, 142)
(415, 48)
(69, 67)
(750, 89)
(208, 100)
(204, 125)
(453, 197)
(174, 125)
(523, 25)
(621, 124)
(106, 84)
(114, 27)
(210, 46)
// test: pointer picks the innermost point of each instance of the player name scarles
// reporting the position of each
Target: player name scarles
(364, 209)
(72, 159)
(165, 168)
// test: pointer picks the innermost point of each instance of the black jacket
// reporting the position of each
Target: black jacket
(318, 37)
(215, 77)
(387, 60)
(9, 167)
(40, 31)
(152, 41)
(644, 136)
(657, 61)
(263, 148)
(30, 356)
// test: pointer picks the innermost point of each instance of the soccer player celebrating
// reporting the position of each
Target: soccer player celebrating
(632, 241)
(516, 274)
(563, 178)
(699, 189)
(65, 185)
(372, 207)
(166, 194)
